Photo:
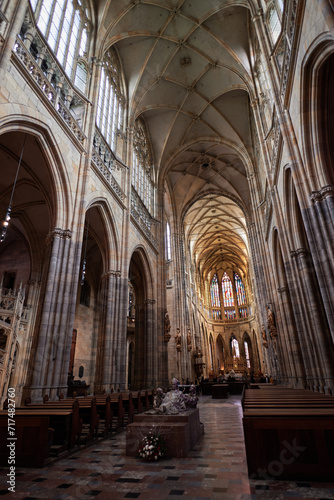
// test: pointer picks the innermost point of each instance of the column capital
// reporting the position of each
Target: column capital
(58, 233)
(149, 301)
(111, 272)
(300, 252)
(322, 194)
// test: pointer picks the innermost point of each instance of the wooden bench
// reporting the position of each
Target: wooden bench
(41, 434)
(289, 435)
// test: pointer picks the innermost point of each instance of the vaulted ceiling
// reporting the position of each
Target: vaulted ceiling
(187, 68)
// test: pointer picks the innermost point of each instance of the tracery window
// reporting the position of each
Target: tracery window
(214, 290)
(110, 107)
(247, 354)
(168, 242)
(274, 24)
(240, 289)
(142, 165)
(65, 24)
(235, 348)
(227, 291)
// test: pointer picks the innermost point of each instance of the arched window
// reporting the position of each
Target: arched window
(214, 290)
(211, 353)
(227, 291)
(142, 165)
(168, 242)
(235, 348)
(247, 354)
(65, 25)
(273, 22)
(110, 106)
(240, 289)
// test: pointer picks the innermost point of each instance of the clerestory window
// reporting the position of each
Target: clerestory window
(110, 107)
(227, 291)
(214, 290)
(274, 23)
(240, 289)
(65, 24)
(168, 242)
(142, 165)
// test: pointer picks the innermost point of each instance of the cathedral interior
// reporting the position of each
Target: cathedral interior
(167, 212)
(166, 197)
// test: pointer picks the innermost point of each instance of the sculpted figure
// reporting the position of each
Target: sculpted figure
(264, 336)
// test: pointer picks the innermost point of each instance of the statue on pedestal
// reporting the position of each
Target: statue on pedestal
(188, 340)
(178, 339)
(271, 324)
(167, 334)
(264, 337)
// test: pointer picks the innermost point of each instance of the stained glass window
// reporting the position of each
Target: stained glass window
(215, 300)
(230, 314)
(247, 355)
(240, 289)
(227, 291)
(235, 348)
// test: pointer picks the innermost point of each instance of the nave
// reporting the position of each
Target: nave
(215, 469)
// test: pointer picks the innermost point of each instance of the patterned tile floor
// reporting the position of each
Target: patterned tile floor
(215, 469)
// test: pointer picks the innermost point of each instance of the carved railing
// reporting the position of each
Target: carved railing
(34, 59)
(105, 152)
(142, 216)
(51, 91)
(104, 161)
(290, 34)
(3, 27)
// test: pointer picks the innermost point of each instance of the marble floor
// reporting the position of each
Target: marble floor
(215, 469)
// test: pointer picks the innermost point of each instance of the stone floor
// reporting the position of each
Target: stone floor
(215, 469)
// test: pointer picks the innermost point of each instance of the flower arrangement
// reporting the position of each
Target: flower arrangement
(152, 447)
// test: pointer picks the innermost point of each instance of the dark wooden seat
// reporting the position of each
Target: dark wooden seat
(289, 434)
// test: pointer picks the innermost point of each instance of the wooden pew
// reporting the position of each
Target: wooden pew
(41, 434)
(289, 434)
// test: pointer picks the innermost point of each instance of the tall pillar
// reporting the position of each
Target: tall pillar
(52, 328)
(320, 232)
(119, 354)
(291, 347)
(320, 346)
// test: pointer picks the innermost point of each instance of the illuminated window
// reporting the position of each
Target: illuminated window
(168, 242)
(110, 104)
(142, 165)
(64, 24)
(235, 348)
(274, 24)
(214, 290)
(247, 355)
(240, 289)
(227, 291)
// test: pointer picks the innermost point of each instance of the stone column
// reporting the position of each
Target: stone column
(150, 344)
(320, 347)
(291, 346)
(50, 341)
(120, 332)
(320, 232)
(107, 307)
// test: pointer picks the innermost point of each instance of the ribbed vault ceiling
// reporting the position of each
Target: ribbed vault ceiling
(187, 73)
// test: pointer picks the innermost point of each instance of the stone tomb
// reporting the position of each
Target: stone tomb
(180, 432)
